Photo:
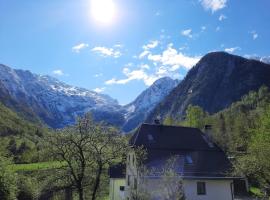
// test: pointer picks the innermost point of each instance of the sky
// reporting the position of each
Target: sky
(120, 47)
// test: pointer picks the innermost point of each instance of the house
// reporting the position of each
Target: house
(201, 164)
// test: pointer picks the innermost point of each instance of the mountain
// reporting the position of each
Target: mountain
(44, 99)
(215, 82)
(138, 110)
(54, 102)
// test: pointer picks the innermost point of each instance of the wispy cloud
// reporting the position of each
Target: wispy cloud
(222, 17)
(213, 5)
(165, 64)
(151, 45)
(232, 49)
(254, 34)
(79, 47)
(58, 72)
(187, 33)
(107, 52)
(99, 90)
(146, 48)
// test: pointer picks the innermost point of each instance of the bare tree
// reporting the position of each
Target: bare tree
(87, 149)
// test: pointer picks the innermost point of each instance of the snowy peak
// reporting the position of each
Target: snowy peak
(137, 111)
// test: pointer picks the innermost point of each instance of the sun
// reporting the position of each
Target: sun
(103, 11)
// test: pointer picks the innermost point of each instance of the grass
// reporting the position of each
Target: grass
(37, 166)
(256, 191)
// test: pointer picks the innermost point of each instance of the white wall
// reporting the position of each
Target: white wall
(115, 193)
(215, 190)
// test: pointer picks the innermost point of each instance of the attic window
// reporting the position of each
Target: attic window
(150, 138)
(189, 159)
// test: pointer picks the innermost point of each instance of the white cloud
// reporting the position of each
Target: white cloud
(107, 52)
(203, 28)
(165, 64)
(213, 5)
(254, 35)
(217, 28)
(187, 33)
(79, 47)
(222, 17)
(171, 57)
(58, 72)
(232, 49)
(99, 90)
(98, 75)
(153, 44)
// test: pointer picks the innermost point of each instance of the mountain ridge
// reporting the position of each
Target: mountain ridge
(216, 81)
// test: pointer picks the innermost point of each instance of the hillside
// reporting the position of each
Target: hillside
(218, 80)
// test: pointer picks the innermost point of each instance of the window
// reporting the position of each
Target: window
(150, 137)
(133, 160)
(189, 159)
(128, 180)
(135, 183)
(201, 190)
(122, 188)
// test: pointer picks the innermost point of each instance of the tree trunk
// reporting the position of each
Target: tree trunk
(97, 182)
(80, 191)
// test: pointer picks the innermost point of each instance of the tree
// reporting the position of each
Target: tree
(168, 186)
(8, 188)
(195, 116)
(87, 149)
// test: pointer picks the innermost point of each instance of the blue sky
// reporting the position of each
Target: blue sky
(145, 40)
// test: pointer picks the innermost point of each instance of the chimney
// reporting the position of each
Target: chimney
(208, 135)
(208, 130)
(157, 120)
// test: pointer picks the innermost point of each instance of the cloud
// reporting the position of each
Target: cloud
(187, 33)
(254, 35)
(138, 74)
(146, 48)
(79, 47)
(98, 75)
(99, 90)
(153, 44)
(217, 28)
(222, 17)
(232, 49)
(203, 28)
(58, 72)
(213, 5)
(107, 52)
(172, 57)
(165, 64)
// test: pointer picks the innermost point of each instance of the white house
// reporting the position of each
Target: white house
(201, 164)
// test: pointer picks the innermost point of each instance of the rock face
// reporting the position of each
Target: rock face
(138, 110)
(217, 80)
(55, 103)
(46, 99)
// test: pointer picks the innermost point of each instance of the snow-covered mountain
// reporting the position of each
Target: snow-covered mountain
(58, 104)
(138, 110)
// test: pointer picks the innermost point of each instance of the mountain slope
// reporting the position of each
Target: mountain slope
(54, 102)
(216, 81)
(138, 110)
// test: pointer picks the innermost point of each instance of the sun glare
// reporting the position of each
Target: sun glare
(103, 11)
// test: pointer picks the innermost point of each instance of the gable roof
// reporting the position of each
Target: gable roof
(171, 138)
(187, 144)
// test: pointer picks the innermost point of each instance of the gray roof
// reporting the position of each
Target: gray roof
(197, 155)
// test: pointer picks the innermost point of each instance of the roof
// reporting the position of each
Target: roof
(117, 171)
(197, 155)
